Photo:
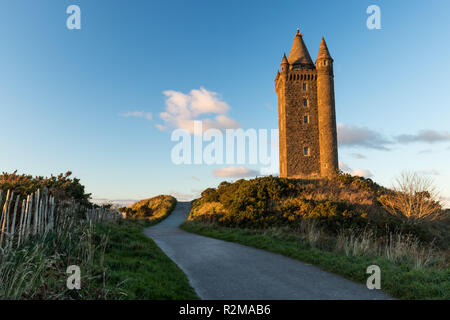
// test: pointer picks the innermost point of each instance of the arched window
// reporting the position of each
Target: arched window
(305, 102)
(306, 151)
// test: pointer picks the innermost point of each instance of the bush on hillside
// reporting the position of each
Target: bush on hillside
(332, 204)
(151, 208)
(62, 187)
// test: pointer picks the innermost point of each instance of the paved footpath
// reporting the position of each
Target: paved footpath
(224, 270)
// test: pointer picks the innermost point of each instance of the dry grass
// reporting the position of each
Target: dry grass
(397, 247)
(37, 269)
(42, 238)
(356, 244)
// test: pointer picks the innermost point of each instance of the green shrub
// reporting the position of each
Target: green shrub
(152, 208)
(62, 187)
(333, 204)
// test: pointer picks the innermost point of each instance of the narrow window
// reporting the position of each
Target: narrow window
(305, 102)
(305, 151)
(304, 87)
(305, 119)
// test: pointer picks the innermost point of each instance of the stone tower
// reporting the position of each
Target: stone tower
(306, 113)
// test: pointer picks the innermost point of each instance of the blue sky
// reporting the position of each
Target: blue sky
(64, 93)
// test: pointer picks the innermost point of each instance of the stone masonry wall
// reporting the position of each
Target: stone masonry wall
(294, 133)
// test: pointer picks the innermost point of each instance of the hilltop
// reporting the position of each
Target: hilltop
(343, 202)
(151, 208)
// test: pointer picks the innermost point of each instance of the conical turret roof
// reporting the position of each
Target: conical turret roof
(299, 53)
(323, 51)
(284, 60)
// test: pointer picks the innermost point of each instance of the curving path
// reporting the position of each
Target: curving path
(224, 270)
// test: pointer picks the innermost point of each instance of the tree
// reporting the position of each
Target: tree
(414, 198)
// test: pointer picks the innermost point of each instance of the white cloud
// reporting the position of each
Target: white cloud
(358, 156)
(354, 136)
(226, 122)
(183, 109)
(446, 202)
(344, 167)
(427, 136)
(235, 172)
(361, 173)
(181, 196)
(356, 172)
(115, 202)
(138, 114)
(204, 101)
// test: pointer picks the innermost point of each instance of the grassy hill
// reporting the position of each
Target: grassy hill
(344, 202)
(153, 208)
(342, 225)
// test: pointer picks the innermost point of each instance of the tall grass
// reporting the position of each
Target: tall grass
(40, 238)
(37, 269)
(396, 247)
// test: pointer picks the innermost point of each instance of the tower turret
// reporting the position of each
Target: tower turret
(327, 112)
(284, 65)
(299, 57)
